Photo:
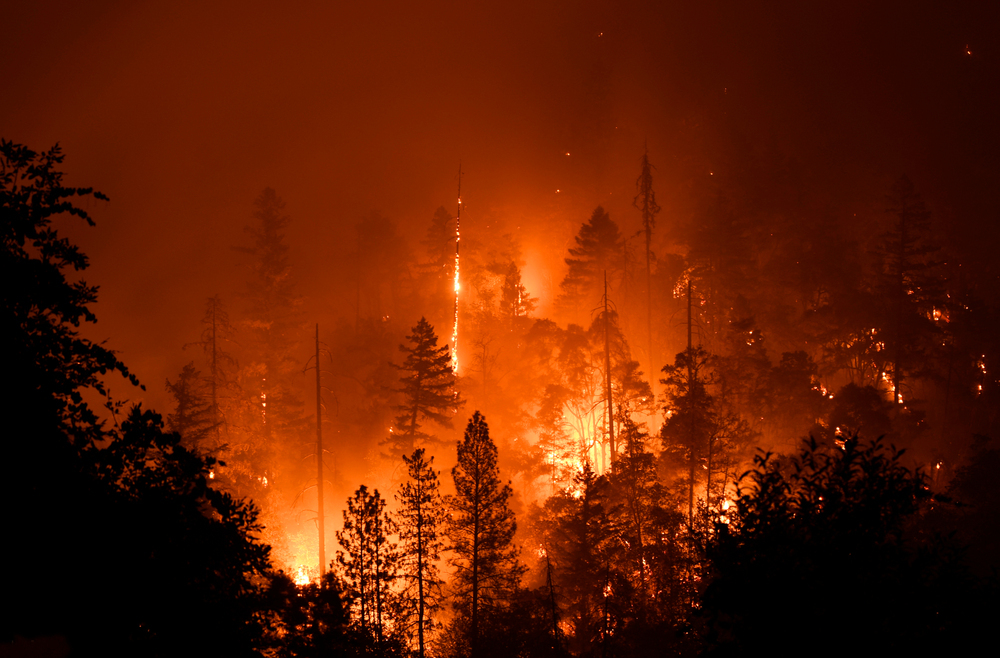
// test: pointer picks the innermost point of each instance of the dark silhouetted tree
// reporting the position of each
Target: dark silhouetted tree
(482, 527)
(645, 202)
(192, 417)
(420, 520)
(827, 531)
(692, 419)
(217, 338)
(577, 529)
(272, 415)
(427, 387)
(515, 302)
(313, 620)
(369, 561)
(909, 281)
(597, 250)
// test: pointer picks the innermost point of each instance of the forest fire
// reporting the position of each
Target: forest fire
(356, 417)
(302, 576)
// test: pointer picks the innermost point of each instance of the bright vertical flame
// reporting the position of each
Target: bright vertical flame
(458, 237)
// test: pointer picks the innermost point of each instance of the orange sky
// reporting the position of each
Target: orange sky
(183, 111)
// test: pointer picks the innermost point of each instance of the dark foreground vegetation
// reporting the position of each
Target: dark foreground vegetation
(121, 538)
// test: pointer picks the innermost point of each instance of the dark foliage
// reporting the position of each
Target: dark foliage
(428, 389)
(482, 527)
(119, 543)
(821, 551)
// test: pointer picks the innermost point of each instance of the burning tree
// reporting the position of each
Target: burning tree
(482, 527)
(909, 281)
(428, 389)
(577, 532)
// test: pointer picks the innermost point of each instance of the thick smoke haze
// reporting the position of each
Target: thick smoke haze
(698, 239)
(183, 112)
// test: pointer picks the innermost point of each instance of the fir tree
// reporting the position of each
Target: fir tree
(192, 417)
(428, 389)
(598, 250)
(645, 202)
(644, 524)
(691, 421)
(515, 302)
(487, 572)
(909, 281)
(421, 521)
(576, 533)
(217, 332)
(270, 377)
(369, 560)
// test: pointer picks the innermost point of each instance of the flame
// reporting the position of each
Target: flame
(458, 286)
(302, 576)
(724, 517)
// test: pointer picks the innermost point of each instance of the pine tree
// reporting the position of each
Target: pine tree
(576, 535)
(598, 250)
(381, 267)
(192, 417)
(515, 302)
(482, 527)
(217, 332)
(270, 377)
(645, 202)
(644, 526)
(428, 389)
(421, 521)
(691, 422)
(439, 244)
(369, 561)
(910, 283)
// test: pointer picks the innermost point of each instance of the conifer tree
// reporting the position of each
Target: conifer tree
(515, 302)
(270, 376)
(576, 535)
(641, 522)
(691, 415)
(439, 243)
(910, 282)
(427, 387)
(217, 332)
(645, 202)
(421, 523)
(192, 417)
(487, 571)
(598, 250)
(369, 561)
